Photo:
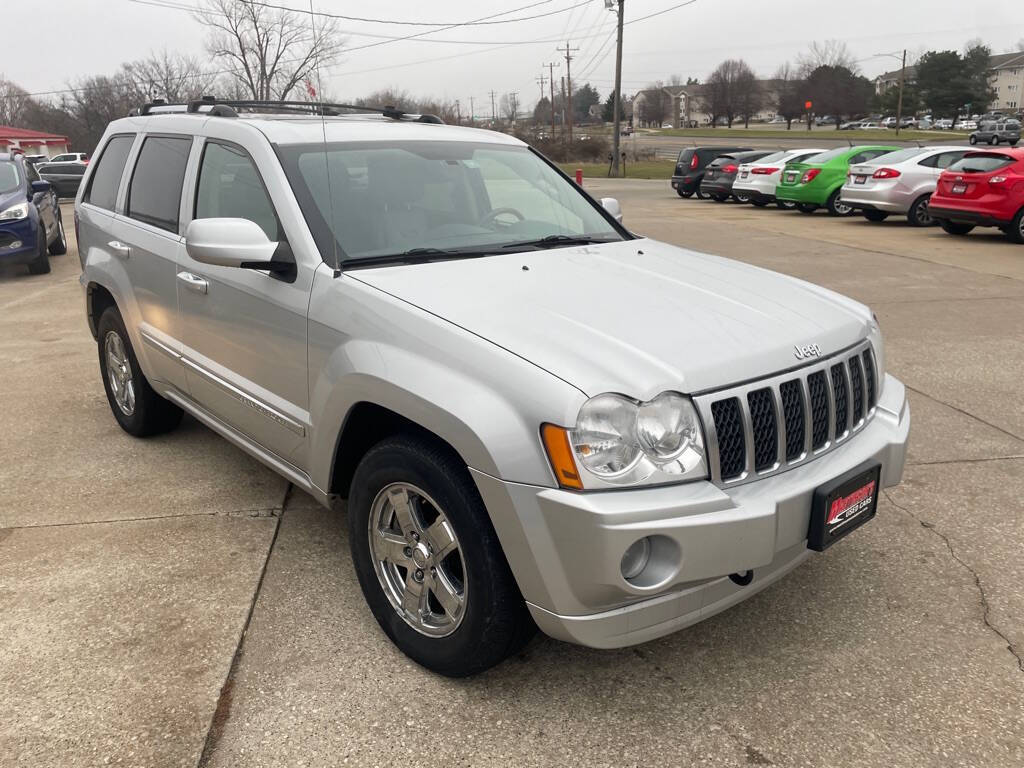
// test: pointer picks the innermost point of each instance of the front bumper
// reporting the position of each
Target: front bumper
(24, 232)
(565, 548)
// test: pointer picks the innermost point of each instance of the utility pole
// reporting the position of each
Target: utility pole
(568, 76)
(472, 111)
(541, 80)
(551, 84)
(899, 101)
(618, 94)
(513, 103)
(494, 112)
(458, 113)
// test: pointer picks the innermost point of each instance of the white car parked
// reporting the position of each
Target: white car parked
(900, 182)
(755, 182)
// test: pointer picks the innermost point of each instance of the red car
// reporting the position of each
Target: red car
(982, 189)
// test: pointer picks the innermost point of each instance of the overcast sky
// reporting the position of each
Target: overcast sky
(98, 35)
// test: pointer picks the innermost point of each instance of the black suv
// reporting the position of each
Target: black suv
(689, 170)
(996, 131)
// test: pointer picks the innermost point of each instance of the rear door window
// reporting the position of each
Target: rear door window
(154, 195)
(106, 178)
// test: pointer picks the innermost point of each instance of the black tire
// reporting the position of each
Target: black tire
(836, 207)
(972, 140)
(719, 198)
(684, 192)
(918, 215)
(740, 198)
(40, 265)
(994, 141)
(955, 227)
(60, 245)
(1016, 229)
(1013, 143)
(876, 215)
(758, 203)
(700, 195)
(151, 414)
(788, 205)
(495, 623)
(806, 207)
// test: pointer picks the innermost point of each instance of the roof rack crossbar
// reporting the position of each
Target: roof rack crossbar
(230, 107)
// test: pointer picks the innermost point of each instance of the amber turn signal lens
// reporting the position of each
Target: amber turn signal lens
(556, 443)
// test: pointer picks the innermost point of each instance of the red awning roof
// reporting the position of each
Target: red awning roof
(21, 134)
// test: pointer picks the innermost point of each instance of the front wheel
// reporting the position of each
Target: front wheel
(876, 215)
(138, 409)
(994, 141)
(806, 207)
(429, 562)
(972, 140)
(955, 227)
(836, 207)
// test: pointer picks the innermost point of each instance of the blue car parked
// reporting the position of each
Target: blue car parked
(30, 225)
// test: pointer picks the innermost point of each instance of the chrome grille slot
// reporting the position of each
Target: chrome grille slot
(767, 426)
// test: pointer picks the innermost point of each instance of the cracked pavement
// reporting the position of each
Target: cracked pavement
(170, 602)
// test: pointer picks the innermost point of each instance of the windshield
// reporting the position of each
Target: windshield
(9, 178)
(376, 199)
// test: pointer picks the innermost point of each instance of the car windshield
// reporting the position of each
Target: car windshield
(9, 177)
(373, 201)
(898, 156)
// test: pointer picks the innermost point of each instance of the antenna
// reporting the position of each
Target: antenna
(323, 129)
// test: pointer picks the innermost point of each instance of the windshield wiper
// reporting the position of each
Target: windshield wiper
(412, 256)
(554, 241)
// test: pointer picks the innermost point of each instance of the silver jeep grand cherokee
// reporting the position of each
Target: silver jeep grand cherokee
(537, 417)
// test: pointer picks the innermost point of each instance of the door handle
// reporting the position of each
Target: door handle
(194, 283)
(120, 250)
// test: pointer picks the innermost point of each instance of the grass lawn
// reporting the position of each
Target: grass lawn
(642, 169)
(800, 132)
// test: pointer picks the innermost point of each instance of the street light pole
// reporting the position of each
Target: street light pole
(899, 101)
(618, 95)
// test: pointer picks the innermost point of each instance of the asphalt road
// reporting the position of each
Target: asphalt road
(169, 602)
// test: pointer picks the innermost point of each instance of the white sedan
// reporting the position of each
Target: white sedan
(755, 182)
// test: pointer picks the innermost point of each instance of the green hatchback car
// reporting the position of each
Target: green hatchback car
(817, 182)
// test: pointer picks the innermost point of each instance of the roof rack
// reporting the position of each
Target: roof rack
(215, 107)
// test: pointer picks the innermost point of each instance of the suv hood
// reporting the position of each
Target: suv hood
(636, 317)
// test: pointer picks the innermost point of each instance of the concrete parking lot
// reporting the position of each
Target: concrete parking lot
(170, 602)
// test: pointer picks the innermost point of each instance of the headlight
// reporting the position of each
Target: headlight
(15, 212)
(618, 441)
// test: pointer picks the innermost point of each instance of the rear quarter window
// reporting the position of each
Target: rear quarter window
(102, 191)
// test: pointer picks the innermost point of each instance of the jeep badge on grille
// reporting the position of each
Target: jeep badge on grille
(806, 351)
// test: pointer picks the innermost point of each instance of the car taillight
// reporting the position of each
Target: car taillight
(730, 168)
(764, 171)
(997, 180)
(885, 173)
(693, 162)
(810, 175)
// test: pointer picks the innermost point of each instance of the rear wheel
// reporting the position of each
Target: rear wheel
(876, 215)
(955, 227)
(684, 192)
(60, 245)
(739, 197)
(918, 215)
(700, 195)
(972, 139)
(429, 562)
(836, 207)
(1016, 229)
(994, 141)
(758, 203)
(806, 207)
(719, 198)
(40, 265)
(138, 409)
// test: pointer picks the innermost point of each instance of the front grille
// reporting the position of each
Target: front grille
(772, 424)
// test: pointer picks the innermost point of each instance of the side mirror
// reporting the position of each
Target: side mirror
(230, 243)
(611, 205)
(40, 187)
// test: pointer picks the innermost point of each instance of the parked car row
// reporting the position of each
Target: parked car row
(955, 187)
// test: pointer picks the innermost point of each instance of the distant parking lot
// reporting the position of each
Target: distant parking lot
(171, 602)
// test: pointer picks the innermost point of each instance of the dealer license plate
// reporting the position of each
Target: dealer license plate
(843, 505)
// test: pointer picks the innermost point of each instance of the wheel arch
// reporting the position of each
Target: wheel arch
(97, 299)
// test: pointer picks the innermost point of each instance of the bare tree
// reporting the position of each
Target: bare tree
(173, 77)
(509, 106)
(748, 94)
(389, 97)
(271, 51)
(653, 107)
(789, 101)
(831, 53)
(731, 90)
(675, 79)
(15, 103)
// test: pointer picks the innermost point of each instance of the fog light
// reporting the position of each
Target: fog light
(15, 244)
(634, 559)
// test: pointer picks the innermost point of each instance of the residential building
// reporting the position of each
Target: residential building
(1006, 76)
(682, 105)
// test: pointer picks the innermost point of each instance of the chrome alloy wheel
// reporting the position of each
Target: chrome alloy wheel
(119, 373)
(922, 216)
(417, 559)
(842, 208)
